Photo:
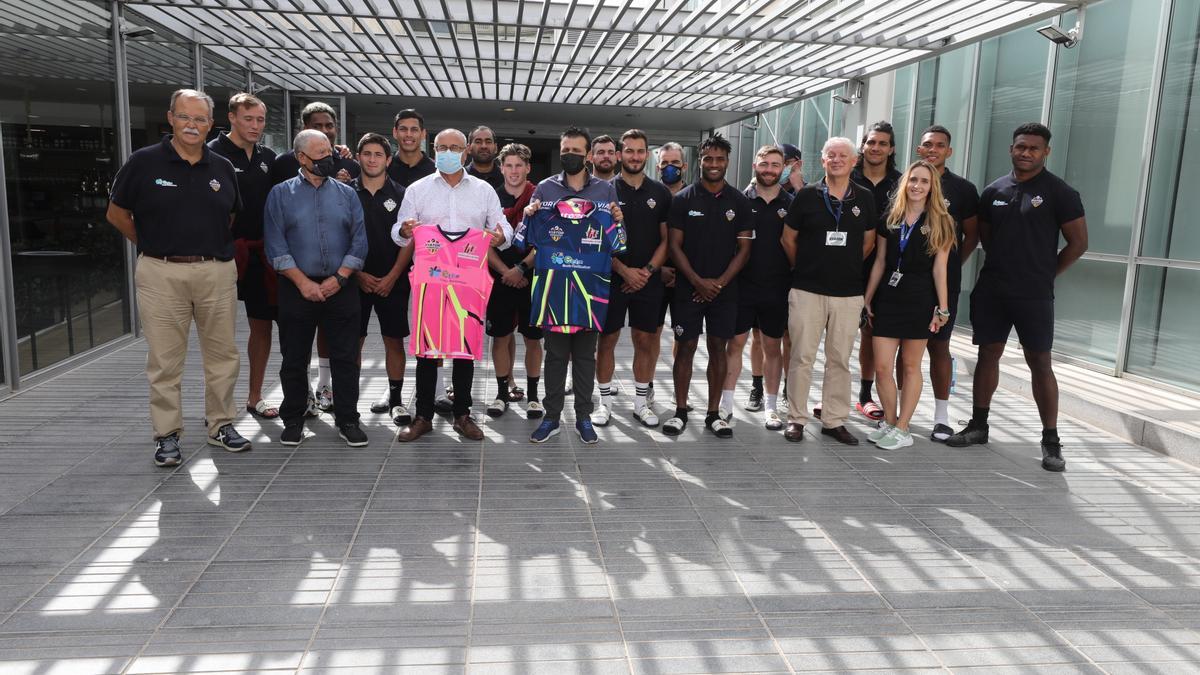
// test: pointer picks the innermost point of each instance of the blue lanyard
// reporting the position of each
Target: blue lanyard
(906, 232)
(837, 215)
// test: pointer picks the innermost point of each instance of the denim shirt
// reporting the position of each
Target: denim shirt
(316, 229)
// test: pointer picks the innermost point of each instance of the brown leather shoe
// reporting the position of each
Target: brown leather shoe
(794, 432)
(466, 427)
(841, 435)
(418, 428)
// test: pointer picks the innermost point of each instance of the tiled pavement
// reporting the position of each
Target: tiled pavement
(641, 554)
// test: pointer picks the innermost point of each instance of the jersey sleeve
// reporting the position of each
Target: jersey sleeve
(983, 212)
(125, 185)
(677, 216)
(745, 215)
(1067, 205)
(972, 194)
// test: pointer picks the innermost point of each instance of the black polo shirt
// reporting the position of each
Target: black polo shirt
(254, 182)
(379, 215)
(493, 177)
(1023, 224)
(835, 271)
(179, 208)
(962, 201)
(710, 224)
(768, 269)
(287, 166)
(644, 209)
(881, 192)
(406, 175)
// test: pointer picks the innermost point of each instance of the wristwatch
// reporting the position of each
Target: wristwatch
(650, 268)
(342, 281)
(523, 267)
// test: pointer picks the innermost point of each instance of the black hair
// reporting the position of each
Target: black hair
(715, 142)
(406, 114)
(605, 138)
(1033, 129)
(471, 136)
(634, 133)
(938, 129)
(375, 138)
(576, 132)
(885, 127)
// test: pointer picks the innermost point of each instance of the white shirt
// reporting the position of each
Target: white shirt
(472, 203)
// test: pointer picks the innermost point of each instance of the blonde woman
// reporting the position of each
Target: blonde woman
(906, 294)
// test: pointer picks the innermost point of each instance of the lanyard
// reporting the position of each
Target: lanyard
(906, 232)
(837, 215)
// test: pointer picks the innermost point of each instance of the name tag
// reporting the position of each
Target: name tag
(834, 238)
(895, 279)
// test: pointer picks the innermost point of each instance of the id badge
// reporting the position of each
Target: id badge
(895, 279)
(835, 238)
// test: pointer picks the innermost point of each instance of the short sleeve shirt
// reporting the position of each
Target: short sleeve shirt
(962, 201)
(710, 224)
(644, 209)
(1024, 220)
(379, 214)
(254, 183)
(768, 268)
(406, 175)
(179, 208)
(820, 268)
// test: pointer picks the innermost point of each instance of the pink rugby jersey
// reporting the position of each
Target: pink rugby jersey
(450, 289)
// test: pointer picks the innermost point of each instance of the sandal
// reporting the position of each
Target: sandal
(674, 426)
(720, 428)
(870, 410)
(263, 410)
(497, 408)
(516, 394)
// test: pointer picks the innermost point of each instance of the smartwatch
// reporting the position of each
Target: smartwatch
(650, 268)
(340, 279)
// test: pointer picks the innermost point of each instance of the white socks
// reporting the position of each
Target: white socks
(772, 401)
(941, 412)
(639, 396)
(726, 399)
(605, 394)
(322, 372)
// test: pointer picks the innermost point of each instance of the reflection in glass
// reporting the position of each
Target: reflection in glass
(1012, 76)
(1087, 308)
(944, 97)
(902, 111)
(1165, 326)
(813, 135)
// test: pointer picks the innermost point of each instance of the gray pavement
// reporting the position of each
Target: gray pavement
(641, 554)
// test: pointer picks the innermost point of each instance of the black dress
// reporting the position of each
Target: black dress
(905, 310)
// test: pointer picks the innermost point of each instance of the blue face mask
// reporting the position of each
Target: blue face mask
(671, 174)
(448, 161)
(787, 172)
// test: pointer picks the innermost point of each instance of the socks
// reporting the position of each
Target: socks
(979, 415)
(756, 383)
(1050, 435)
(606, 394)
(772, 401)
(323, 372)
(864, 391)
(639, 397)
(941, 412)
(439, 386)
(711, 417)
(502, 387)
(396, 391)
(531, 385)
(681, 413)
(726, 399)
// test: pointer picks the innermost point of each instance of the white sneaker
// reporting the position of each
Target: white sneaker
(650, 394)
(311, 409)
(879, 432)
(601, 416)
(646, 416)
(383, 403)
(772, 420)
(325, 398)
(895, 439)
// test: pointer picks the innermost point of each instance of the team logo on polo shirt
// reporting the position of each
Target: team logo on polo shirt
(679, 330)
(946, 202)
(263, 166)
(390, 204)
(215, 185)
(1036, 201)
(782, 212)
(651, 203)
(433, 245)
(856, 211)
(924, 229)
(729, 215)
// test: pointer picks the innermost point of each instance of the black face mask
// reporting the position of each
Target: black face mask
(571, 163)
(326, 167)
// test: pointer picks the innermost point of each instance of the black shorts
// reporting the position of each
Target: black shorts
(508, 310)
(766, 311)
(718, 318)
(644, 307)
(668, 297)
(252, 291)
(993, 316)
(391, 310)
(947, 331)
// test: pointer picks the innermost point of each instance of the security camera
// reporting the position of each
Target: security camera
(131, 31)
(854, 89)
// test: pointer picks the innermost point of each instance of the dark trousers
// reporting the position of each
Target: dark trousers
(298, 321)
(580, 350)
(463, 374)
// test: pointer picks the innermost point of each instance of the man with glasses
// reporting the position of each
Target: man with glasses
(174, 200)
(454, 201)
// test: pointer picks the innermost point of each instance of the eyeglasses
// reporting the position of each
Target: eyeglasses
(200, 120)
(449, 148)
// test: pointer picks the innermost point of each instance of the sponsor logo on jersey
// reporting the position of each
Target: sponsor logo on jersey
(433, 245)
(215, 185)
(1036, 201)
(591, 237)
(439, 273)
(567, 261)
(468, 252)
(575, 209)
(999, 202)
(696, 213)
(163, 182)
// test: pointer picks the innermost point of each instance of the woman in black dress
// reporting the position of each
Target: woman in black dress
(906, 294)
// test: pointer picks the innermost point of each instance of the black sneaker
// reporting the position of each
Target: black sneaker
(292, 435)
(1052, 459)
(227, 437)
(352, 434)
(166, 451)
(974, 434)
(754, 402)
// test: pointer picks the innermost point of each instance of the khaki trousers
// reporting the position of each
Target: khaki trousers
(809, 317)
(170, 296)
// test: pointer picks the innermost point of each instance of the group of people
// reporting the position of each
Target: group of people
(449, 249)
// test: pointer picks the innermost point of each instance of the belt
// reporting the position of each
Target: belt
(181, 258)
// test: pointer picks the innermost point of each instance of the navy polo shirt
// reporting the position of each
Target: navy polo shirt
(1023, 224)
(835, 271)
(710, 224)
(179, 208)
(254, 182)
(768, 269)
(379, 215)
(644, 208)
(287, 166)
(962, 201)
(406, 175)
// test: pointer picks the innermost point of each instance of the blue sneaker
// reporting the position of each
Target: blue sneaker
(586, 433)
(544, 431)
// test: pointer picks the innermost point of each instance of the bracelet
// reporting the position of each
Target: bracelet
(944, 313)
